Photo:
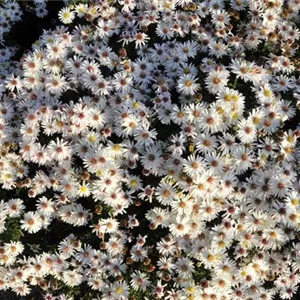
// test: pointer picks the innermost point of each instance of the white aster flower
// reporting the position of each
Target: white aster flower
(66, 16)
(31, 222)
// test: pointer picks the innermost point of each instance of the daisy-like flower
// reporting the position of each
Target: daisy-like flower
(165, 193)
(81, 9)
(246, 131)
(119, 290)
(288, 110)
(84, 254)
(151, 158)
(292, 200)
(180, 226)
(66, 16)
(193, 165)
(145, 137)
(282, 83)
(280, 186)
(276, 237)
(164, 31)
(41, 156)
(138, 253)
(134, 183)
(220, 18)
(210, 121)
(159, 290)
(109, 225)
(176, 146)
(193, 112)
(31, 222)
(185, 267)
(13, 248)
(216, 81)
(244, 159)
(241, 69)
(115, 245)
(122, 82)
(84, 190)
(13, 83)
(158, 216)
(214, 162)
(106, 183)
(15, 207)
(21, 289)
(68, 186)
(217, 49)
(208, 209)
(97, 118)
(139, 280)
(102, 86)
(79, 216)
(6, 259)
(45, 206)
(187, 49)
(32, 64)
(66, 248)
(72, 278)
(28, 132)
(56, 84)
(166, 247)
(166, 263)
(183, 205)
(210, 258)
(55, 51)
(140, 40)
(133, 221)
(187, 84)
(288, 292)
(206, 143)
(59, 150)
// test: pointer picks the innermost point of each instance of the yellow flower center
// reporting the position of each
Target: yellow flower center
(188, 83)
(191, 149)
(117, 147)
(133, 183)
(92, 138)
(235, 98)
(66, 15)
(228, 98)
(256, 120)
(220, 110)
(83, 189)
(136, 105)
(235, 115)
(180, 194)
(8, 176)
(221, 244)
(132, 125)
(210, 257)
(295, 202)
(290, 139)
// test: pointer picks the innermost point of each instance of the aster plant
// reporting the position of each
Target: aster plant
(149, 150)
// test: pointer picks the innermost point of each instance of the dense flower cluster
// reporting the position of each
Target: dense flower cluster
(10, 13)
(165, 134)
